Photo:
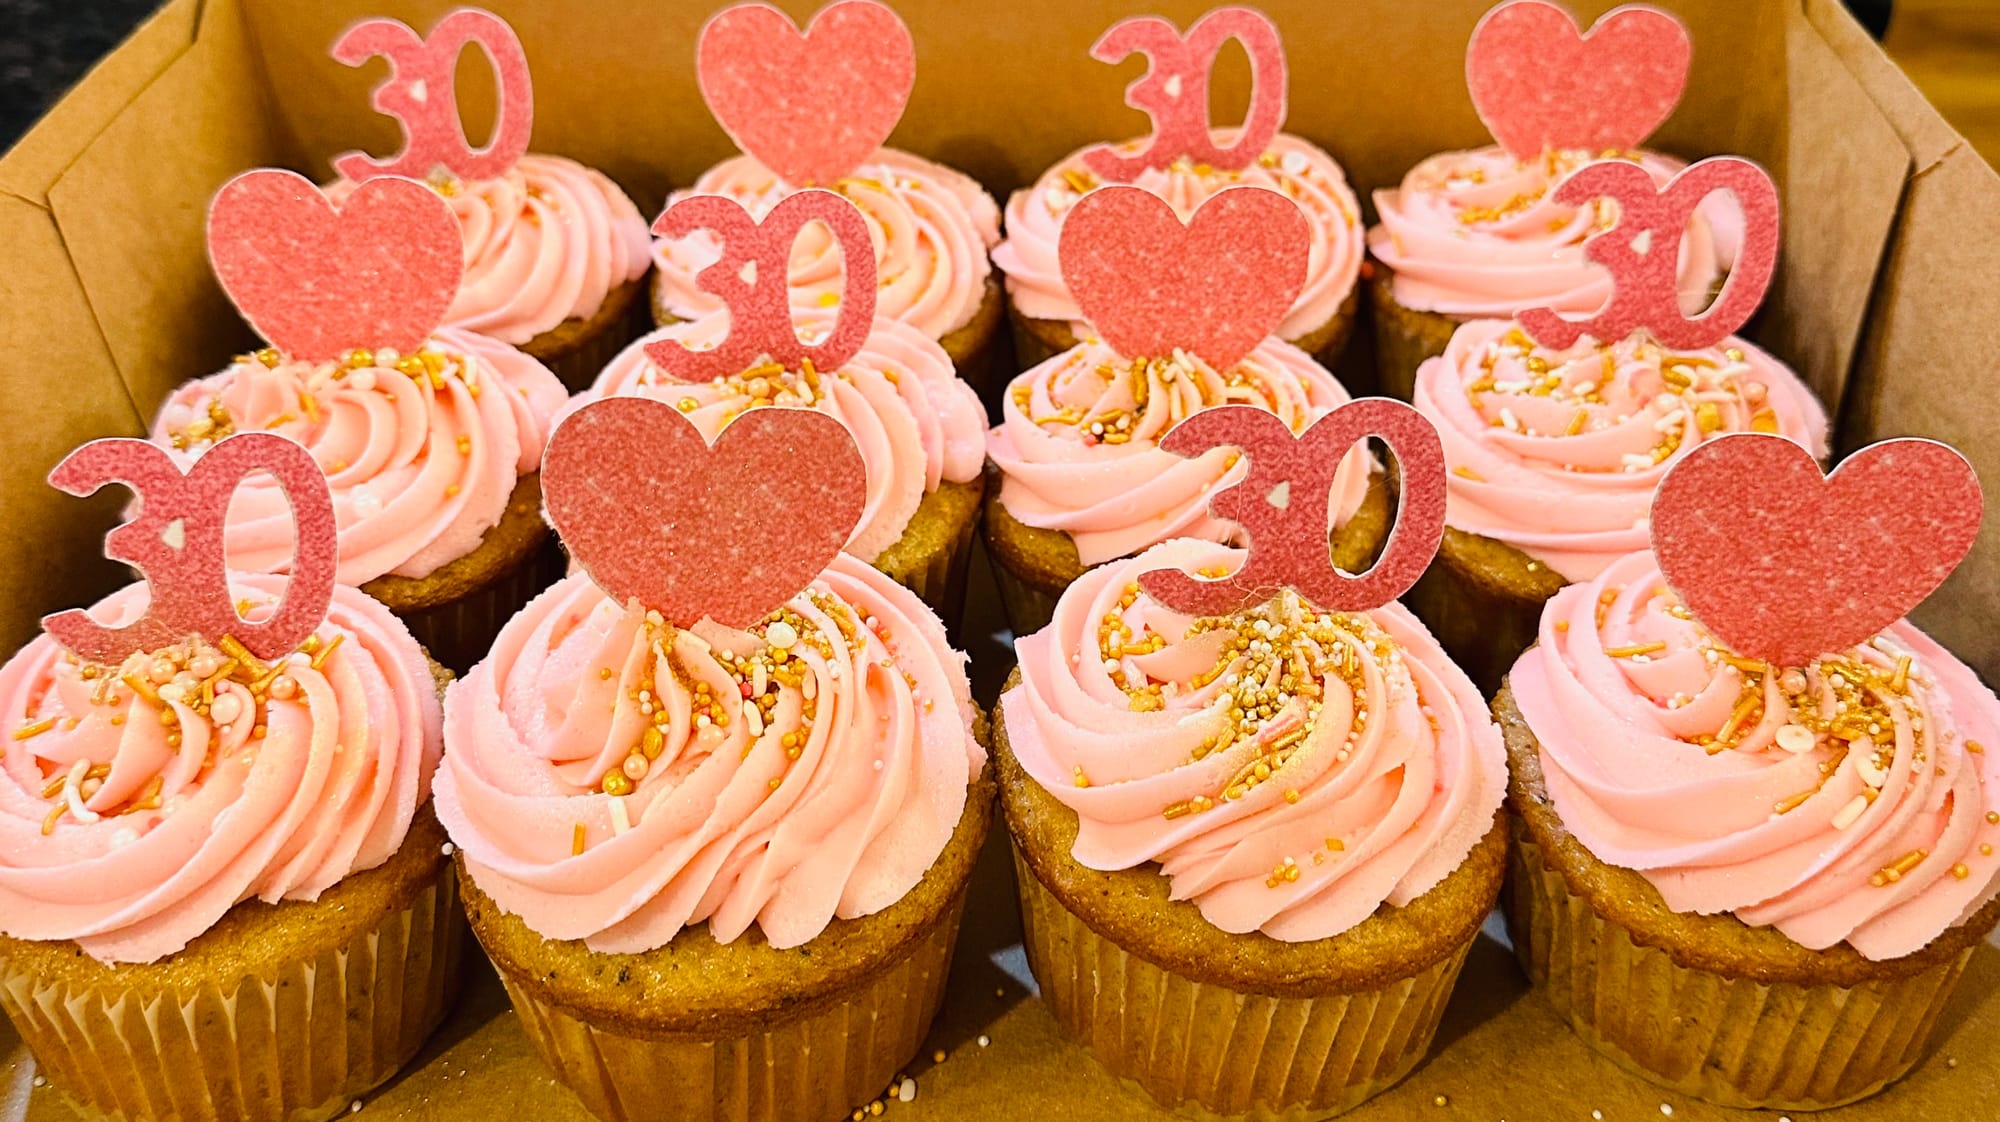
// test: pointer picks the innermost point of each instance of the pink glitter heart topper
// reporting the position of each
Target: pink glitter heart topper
(813, 106)
(1284, 504)
(420, 92)
(1642, 253)
(1542, 86)
(1214, 287)
(176, 544)
(1174, 90)
(1786, 564)
(730, 532)
(317, 282)
(760, 309)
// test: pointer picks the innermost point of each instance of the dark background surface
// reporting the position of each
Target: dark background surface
(46, 45)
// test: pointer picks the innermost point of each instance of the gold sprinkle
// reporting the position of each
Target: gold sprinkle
(1464, 472)
(1787, 805)
(451, 491)
(828, 299)
(465, 444)
(1577, 423)
(576, 841)
(1632, 649)
(1562, 625)
(1080, 780)
(1960, 871)
(319, 658)
(1764, 420)
(35, 729)
(1335, 844)
(1974, 747)
(49, 823)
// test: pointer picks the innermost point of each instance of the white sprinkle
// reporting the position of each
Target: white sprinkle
(1871, 773)
(226, 709)
(73, 797)
(40, 1082)
(984, 1040)
(781, 635)
(620, 820)
(1667, 1109)
(1584, 389)
(362, 379)
(1795, 738)
(1294, 163)
(354, 1107)
(448, 849)
(908, 1091)
(1508, 419)
(810, 687)
(123, 836)
(1597, 1115)
(754, 716)
(1849, 813)
(173, 691)
(1951, 1061)
(759, 680)
(1636, 461)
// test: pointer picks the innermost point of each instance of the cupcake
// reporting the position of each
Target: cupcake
(222, 890)
(555, 253)
(692, 847)
(930, 226)
(1555, 455)
(1790, 943)
(1253, 849)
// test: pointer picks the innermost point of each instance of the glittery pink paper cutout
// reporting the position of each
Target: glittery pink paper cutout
(731, 532)
(1215, 287)
(760, 309)
(1174, 90)
(176, 543)
(1785, 564)
(1541, 86)
(420, 92)
(1284, 507)
(810, 107)
(316, 282)
(1642, 253)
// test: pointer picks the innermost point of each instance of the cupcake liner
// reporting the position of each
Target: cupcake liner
(300, 1044)
(1730, 1040)
(1404, 337)
(576, 351)
(459, 631)
(1027, 607)
(938, 577)
(814, 1066)
(973, 347)
(1483, 625)
(1205, 1050)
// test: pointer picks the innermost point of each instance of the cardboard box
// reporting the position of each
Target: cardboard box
(1884, 301)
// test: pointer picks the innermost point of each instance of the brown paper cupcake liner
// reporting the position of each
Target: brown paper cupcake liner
(947, 523)
(459, 632)
(1028, 608)
(1730, 1040)
(1484, 607)
(576, 351)
(1207, 1051)
(299, 1044)
(1404, 337)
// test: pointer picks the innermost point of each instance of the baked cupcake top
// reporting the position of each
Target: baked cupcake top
(613, 778)
(421, 450)
(931, 227)
(1557, 452)
(142, 800)
(1290, 769)
(916, 423)
(1849, 799)
(1290, 165)
(1078, 442)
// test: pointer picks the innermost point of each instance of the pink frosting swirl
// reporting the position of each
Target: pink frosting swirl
(916, 423)
(614, 779)
(1078, 443)
(1301, 171)
(132, 834)
(1289, 770)
(544, 243)
(1557, 453)
(931, 226)
(420, 455)
(1845, 800)
(1475, 234)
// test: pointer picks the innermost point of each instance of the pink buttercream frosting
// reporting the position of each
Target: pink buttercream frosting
(916, 423)
(544, 243)
(1078, 443)
(931, 225)
(1557, 453)
(421, 451)
(132, 836)
(1289, 770)
(1308, 176)
(1799, 800)
(781, 791)
(1476, 234)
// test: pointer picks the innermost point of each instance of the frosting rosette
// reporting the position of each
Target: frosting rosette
(544, 243)
(1078, 443)
(916, 423)
(1846, 800)
(142, 801)
(612, 778)
(421, 451)
(1294, 167)
(931, 227)
(1558, 452)
(1290, 770)
(1476, 234)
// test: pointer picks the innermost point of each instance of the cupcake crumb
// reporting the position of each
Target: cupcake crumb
(984, 1040)
(1951, 1061)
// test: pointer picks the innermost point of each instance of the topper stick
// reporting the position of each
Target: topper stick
(176, 543)
(1540, 85)
(1174, 90)
(421, 94)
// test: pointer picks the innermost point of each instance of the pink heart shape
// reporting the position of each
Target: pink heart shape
(810, 107)
(1214, 287)
(1541, 85)
(317, 282)
(1785, 564)
(730, 532)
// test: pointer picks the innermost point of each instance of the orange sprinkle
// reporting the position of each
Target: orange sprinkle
(576, 841)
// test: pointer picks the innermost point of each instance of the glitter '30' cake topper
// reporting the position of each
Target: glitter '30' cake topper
(1173, 92)
(1786, 564)
(175, 542)
(421, 94)
(1541, 85)
(810, 106)
(1284, 505)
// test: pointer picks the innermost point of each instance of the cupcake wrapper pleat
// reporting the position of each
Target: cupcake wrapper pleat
(1028, 608)
(1732, 1041)
(585, 350)
(1483, 629)
(940, 579)
(1204, 1050)
(458, 633)
(1404, 337)
(300, 1046)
